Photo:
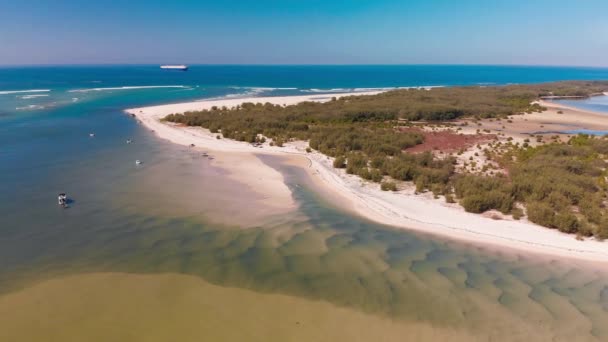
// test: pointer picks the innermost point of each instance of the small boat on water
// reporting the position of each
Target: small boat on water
(62, 200)
(138, 162)
(128, 141)
(91, 134)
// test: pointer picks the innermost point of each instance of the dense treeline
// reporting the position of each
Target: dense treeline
(437, 104)
(560, 184)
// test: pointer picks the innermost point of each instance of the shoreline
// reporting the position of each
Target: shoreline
(402, 209)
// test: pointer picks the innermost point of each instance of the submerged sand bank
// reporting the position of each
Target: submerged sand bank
(176, 307)
(402, 209)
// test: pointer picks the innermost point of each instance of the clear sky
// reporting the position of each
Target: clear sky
(547, 32)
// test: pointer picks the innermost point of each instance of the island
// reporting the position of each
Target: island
(503, 165)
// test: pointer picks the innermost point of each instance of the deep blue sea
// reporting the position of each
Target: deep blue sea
(154, 217)
(209, 81)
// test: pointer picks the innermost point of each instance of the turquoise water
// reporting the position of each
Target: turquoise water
(159, 217)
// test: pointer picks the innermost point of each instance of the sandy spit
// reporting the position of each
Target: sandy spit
(402, 209)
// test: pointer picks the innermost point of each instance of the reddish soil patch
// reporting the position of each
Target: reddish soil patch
(446, 141)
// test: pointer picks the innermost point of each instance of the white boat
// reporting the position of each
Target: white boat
(62, 198)
(181, 67)
(138, 162)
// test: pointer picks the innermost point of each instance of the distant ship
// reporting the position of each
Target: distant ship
(175, 67)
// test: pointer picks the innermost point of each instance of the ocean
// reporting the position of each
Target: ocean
(160, 217)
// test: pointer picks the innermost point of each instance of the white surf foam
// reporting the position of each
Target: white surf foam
(346, 90)
(249, 92)
(263, 89)
(31, 107)
(359, 90)
(5, 92)
(377, 89)
(125, 88)
(395, 88)
(27, 97)
(332, 90)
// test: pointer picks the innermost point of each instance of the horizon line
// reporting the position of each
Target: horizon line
(33, 65)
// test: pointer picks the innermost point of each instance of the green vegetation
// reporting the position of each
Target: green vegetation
(248, 120)
(560, 184)
(388, 186)
(565, 185)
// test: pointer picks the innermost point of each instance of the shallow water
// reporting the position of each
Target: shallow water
(322, 253)
(587, 131)
(596, 104)
(170, 215)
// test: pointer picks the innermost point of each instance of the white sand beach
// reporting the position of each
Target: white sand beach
(402, 209)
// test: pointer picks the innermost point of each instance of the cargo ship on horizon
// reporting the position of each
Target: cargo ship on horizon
(181, 67)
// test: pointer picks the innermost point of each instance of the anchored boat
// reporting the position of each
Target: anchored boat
(62, 199)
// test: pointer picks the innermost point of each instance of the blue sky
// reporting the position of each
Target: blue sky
(529, 32)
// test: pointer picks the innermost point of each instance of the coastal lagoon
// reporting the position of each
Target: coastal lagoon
(174, 249)
(598, 104)
(595, 104)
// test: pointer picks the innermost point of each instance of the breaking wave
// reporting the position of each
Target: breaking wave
(5, 92)
(27, 97)
(252, 91)
(31, 107)
(332, 90)
(359, 90)
(265, 88)
(125, 88)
